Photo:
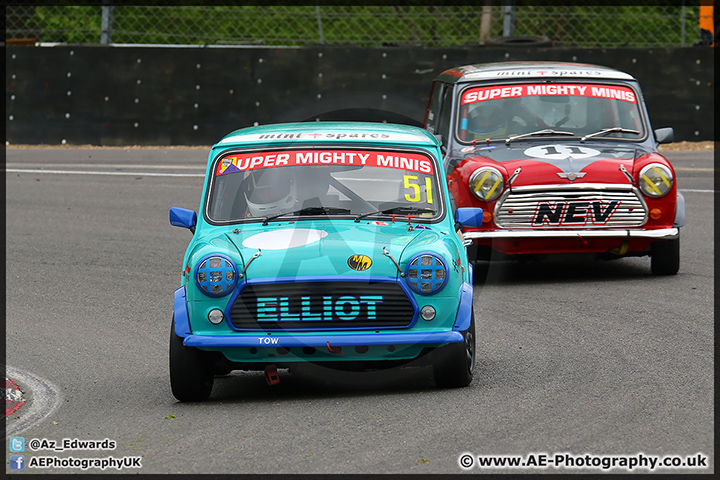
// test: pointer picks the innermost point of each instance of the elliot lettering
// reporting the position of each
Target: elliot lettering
(316, 309)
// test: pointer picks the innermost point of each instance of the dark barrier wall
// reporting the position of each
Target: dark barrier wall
(103, 95)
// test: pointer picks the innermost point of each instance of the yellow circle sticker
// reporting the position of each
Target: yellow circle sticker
(359, 262)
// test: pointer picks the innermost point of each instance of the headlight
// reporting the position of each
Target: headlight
(486, 183)
(216, 275)
(426, 273)
(655, 180)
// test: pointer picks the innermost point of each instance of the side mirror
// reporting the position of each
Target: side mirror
(182, 217)
(469, 216)
(664, 135)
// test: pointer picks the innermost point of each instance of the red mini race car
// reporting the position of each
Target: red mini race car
(561, 158)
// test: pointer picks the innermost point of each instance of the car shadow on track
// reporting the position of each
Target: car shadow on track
(317, 381)
(312, 381)
(561, 269)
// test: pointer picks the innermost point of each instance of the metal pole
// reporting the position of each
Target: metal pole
(508, 11)
(486, 22)
(682, 20)
(106, 23)
(319, 18)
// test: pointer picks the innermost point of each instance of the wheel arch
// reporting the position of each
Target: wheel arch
(182, 319)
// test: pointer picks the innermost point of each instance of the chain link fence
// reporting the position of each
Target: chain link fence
(643, 24)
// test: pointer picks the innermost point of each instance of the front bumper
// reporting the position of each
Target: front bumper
(322, 340)
(657, 234)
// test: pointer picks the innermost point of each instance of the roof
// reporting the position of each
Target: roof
(330, 132)
(512, 70)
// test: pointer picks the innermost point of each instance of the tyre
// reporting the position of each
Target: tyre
(665, 257)
(454, 363)
(191, 371)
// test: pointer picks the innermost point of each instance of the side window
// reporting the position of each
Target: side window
(433, 107)
(445, 114)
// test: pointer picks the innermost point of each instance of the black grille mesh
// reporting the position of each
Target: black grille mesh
(321, 305)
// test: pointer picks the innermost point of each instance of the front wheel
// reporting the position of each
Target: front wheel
(665, 257)
(191, 371)
(453, 364)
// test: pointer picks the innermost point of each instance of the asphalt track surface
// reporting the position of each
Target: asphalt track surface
(574, 357)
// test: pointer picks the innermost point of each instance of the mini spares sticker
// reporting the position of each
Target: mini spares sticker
(242, 162)
(613, 92)
(354, 135)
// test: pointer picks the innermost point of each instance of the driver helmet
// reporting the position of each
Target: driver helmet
(486, 120)
(269, 191)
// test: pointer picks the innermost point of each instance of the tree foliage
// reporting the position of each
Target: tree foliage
(656, 23)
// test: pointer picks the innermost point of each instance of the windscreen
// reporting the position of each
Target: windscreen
(253, 185)
(582, 109)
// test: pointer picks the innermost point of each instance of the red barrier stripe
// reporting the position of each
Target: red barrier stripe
(13, 398)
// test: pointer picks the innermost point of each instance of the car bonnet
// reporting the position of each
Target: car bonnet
(561, 162)
(328, 248)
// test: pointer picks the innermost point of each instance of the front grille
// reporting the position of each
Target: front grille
(321, 305)
(571, 208)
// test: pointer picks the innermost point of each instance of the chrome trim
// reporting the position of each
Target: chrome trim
(572, 176)
(574, 186)
(627, 174)
(664, 233)
(387, 254)
(257, 254)
(514, 176)
(539, 193)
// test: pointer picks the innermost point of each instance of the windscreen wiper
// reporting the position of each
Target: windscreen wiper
(547, 131)
(605, 131)
(399, 210)
(308, 211)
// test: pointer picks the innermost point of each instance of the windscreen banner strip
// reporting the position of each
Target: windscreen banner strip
(481, 94)
(289, 158)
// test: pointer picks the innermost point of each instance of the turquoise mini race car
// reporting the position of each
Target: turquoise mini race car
(334, 243)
